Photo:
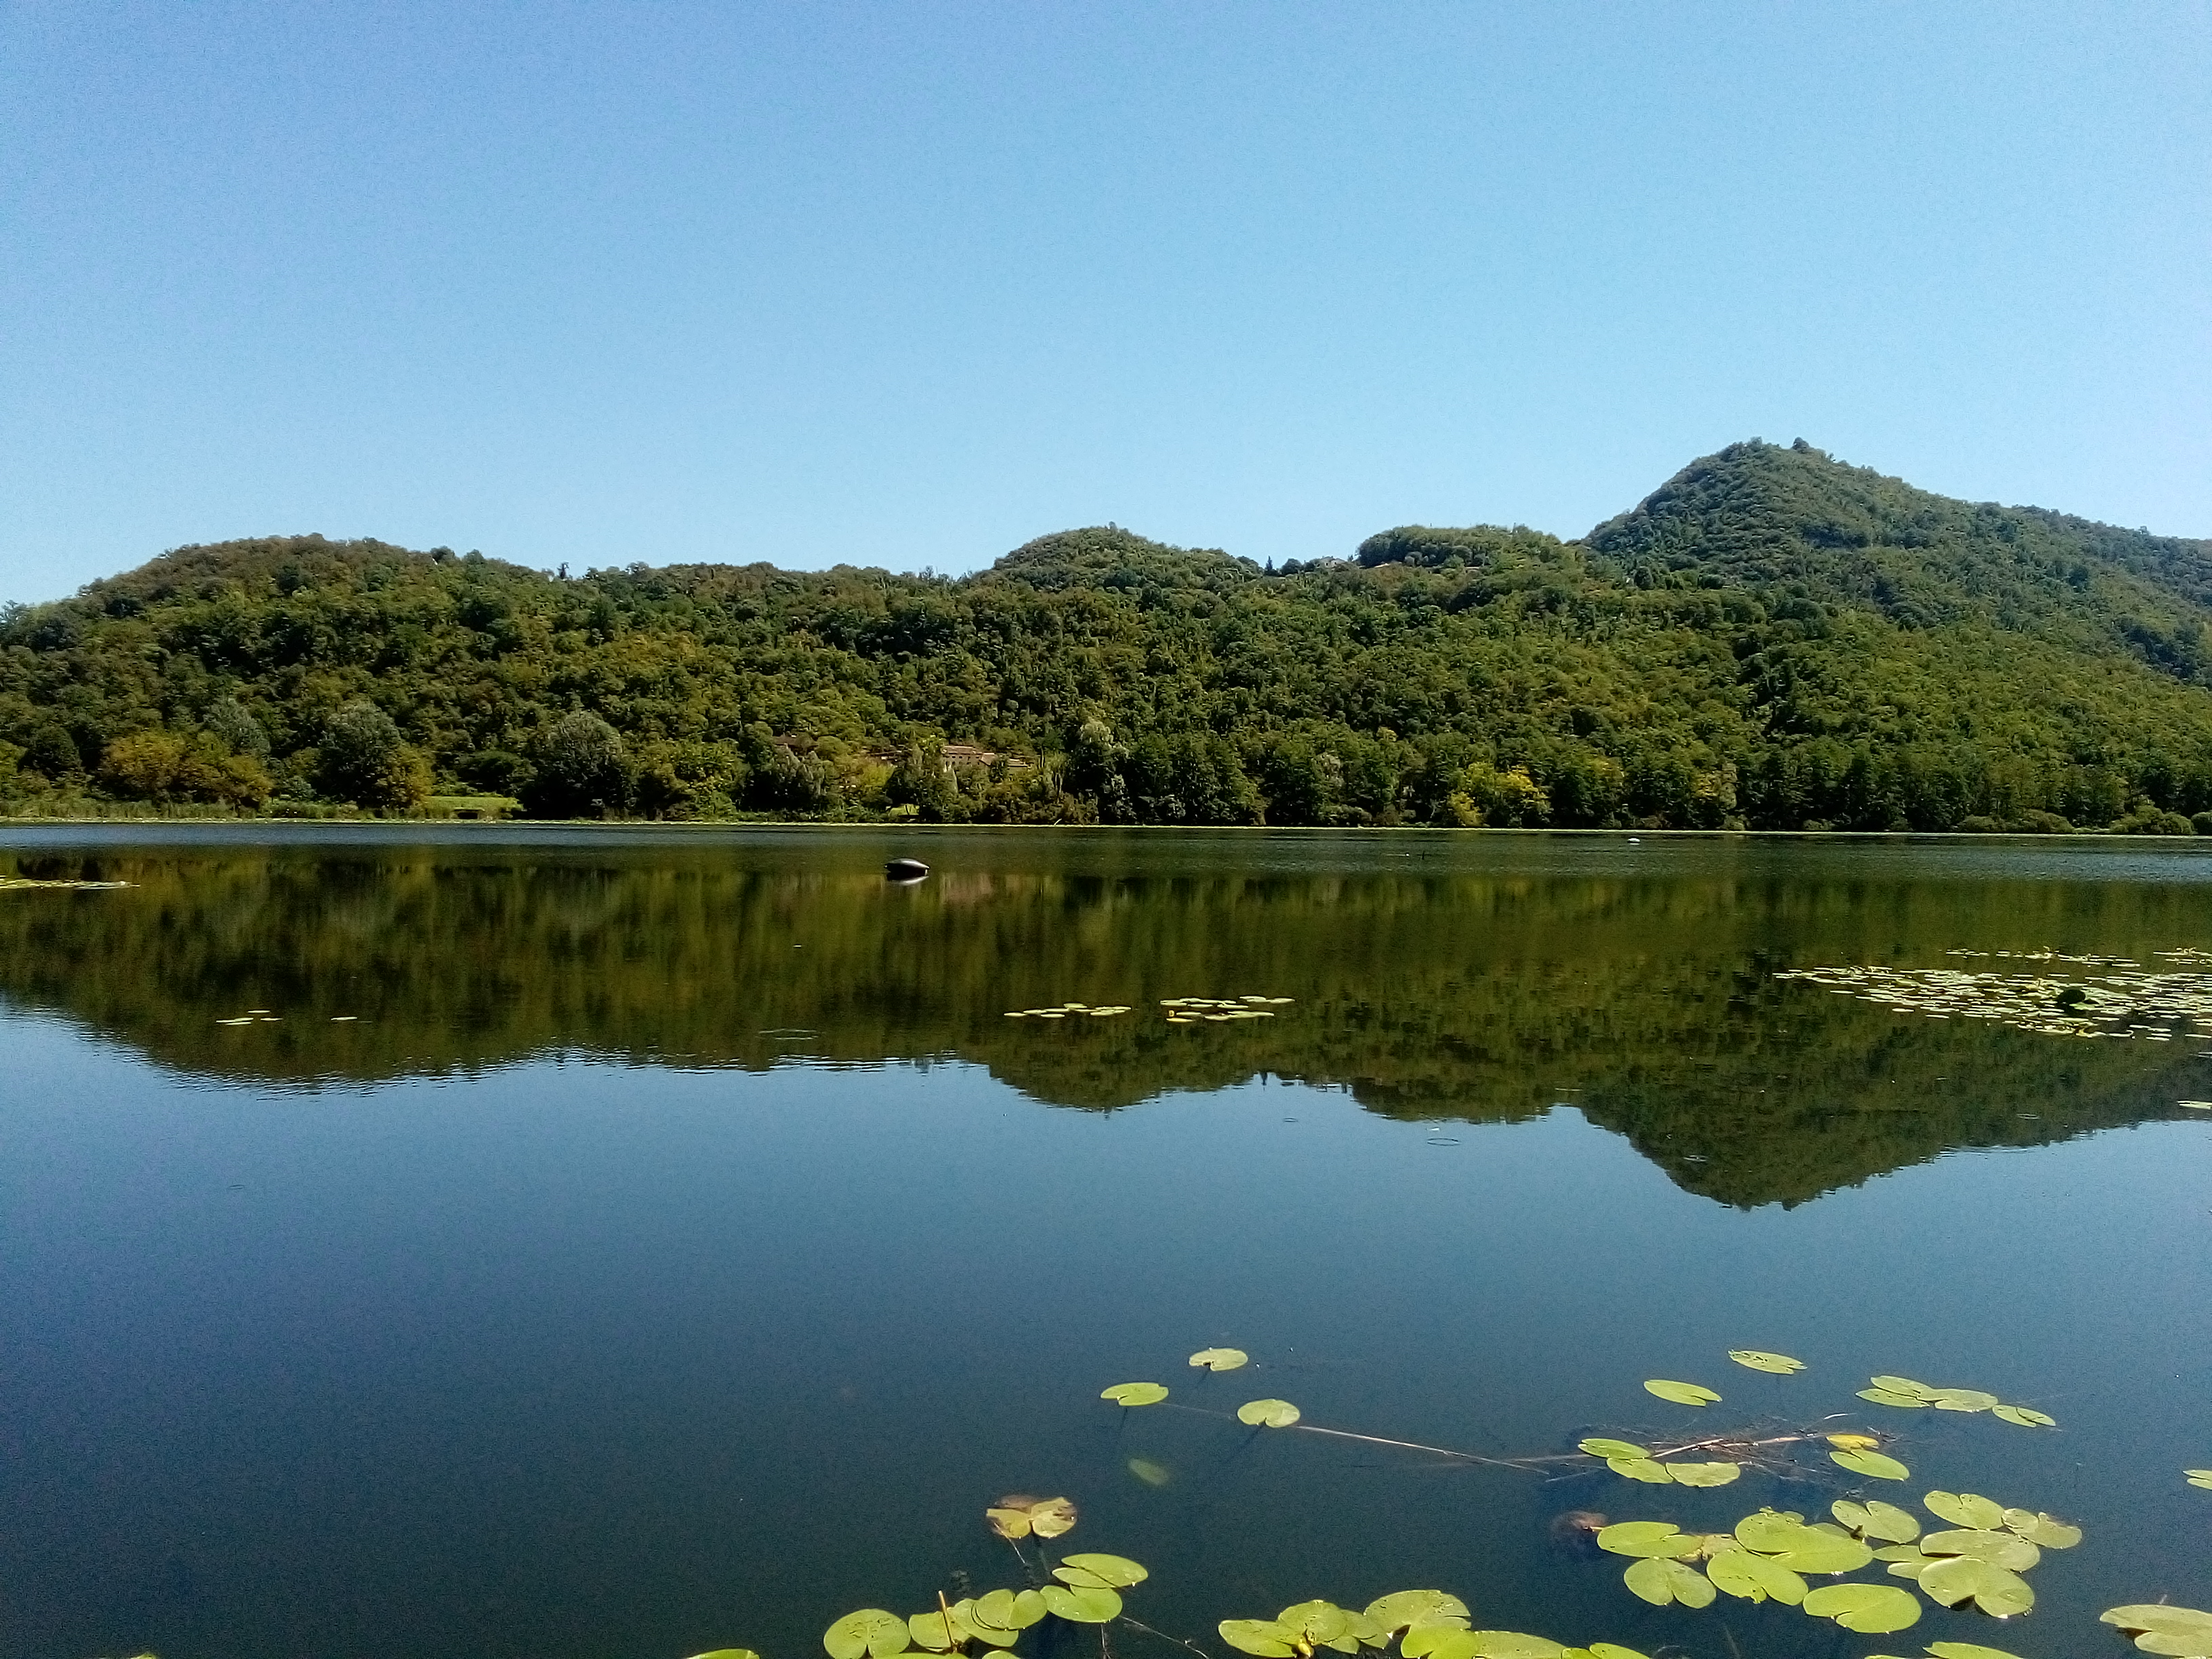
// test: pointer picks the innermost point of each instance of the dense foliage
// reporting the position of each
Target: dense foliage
(1774, 639)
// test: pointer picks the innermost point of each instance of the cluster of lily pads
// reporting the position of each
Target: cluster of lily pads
(2137, 1004)
(1190, 1010)
(1061, 1010)
(1904, 1393)
(1088, 1592)
(1260, 1413)
(1977, 1561)
(1427, 1624)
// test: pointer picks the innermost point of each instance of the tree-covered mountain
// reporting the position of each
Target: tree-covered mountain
(1772, 639)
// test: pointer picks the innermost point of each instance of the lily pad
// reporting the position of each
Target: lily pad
(1874, 1609)
(1316, 1624)
(1611, 1651)
(1891, 1397)
(1902, 1385)
(1117, 1571)
(1768, 1531)
(1267, 1413)
(1401, 1608)
(1872, 1464)
(2046, 1531)
(1967, 1650)
(2024, 1417)
(2004, 1549)
(939, 1632)
(1854, 1442)
(2164, 1629)
(1088, 1605)
(1703, 1474)
(1906, 1561)
(1513, 1644)
(1440, 1638)
(1641, 1468)
(718, 1653)
(2198, 1477)
(1262, 1637)
(1780, 1364)
(1647, 1538)
(1134, 1394)
(1876, 1519)
(1599, 1446)
(1660, 1582)
(1755, 1578)
(870, 1631)
(1995, 1590)
(1008, 1523)
(1823, 1554)
(1682, 1394)
(1052, 1517)
(1965, 1508)
(1152, 1473)
(1961, 1400)
(1220, 1359)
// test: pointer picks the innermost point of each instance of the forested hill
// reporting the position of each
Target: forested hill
(1772, 639)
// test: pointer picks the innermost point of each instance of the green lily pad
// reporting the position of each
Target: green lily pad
(1754, 1578)
(1995, 1590)
(1965, 1508)
(1316, 1624)
(1611, 1651)
(1902, 1385)
(1890, 1397)
(1646, 1538)
(1876, 1519)
(1134, 1394)
(2024, 1417)
(1872, 1464)
(1873, 1609)
(1082, 1607)
(1051, 1517)
(1703, 1474)
(1262, 1637)
(1961, 1400)
(1660, 1582)
(1220, 1359)
(1152, 1473)
(870, 1631)
(1768, 1531)
(1682, 1394)
(1599, 1446)
(1906, 1561)
(1823, 1554)
(2046, 1531)
(1117, 1571)
(939, 1632)
(2164, 1629)
(1437, 1638)
(2198, 1477)
(1267, 1413)
(728, 1653)
(1006, 1610)
(1967, 1650)
(1513, 1644)
(1401, 1608)
(1780, 1364)
(1641, 1468)
(2005, 1549)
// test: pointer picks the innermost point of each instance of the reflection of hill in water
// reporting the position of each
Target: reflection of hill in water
(1647, 1001)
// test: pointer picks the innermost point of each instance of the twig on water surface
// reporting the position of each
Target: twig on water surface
(1172, 1640)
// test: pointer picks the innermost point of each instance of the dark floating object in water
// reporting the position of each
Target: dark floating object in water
(905, 870)
(1574, 1534)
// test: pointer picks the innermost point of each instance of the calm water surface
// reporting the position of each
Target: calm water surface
(619, 1243)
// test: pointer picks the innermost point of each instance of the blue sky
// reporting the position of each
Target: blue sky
(907, 284)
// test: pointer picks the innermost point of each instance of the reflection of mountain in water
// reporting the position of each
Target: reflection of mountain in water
(1647, 1001)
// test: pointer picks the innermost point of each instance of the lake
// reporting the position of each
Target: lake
(562, 1242)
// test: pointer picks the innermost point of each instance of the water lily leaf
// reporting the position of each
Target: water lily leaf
(1754, 1578)
(1267, 1413)
(1660, 1582)
(869, 1632)
(1082, 1607)
(2164, 1629)
(1512, 1644)
(1263, 1637)
(2046, 1530)
(2026, 1418)
(1029, 1607)
(1995, 1590)
(1052, 1517)
(1906, 1561)
(1769, 1531)
(1316, 1623)
(1220, 1359)
(934, 1632)
(2006, 1549)
(1401, 1608)
(1435, 1639)
(1611, 1651)
(1134, 1394)
(1682, 1394)
(993, 1610)
(1872, 1464)
(1961, 1400)
(2199, 1477)
(1076, 1578)
(1640, 1468)
(1780, 1364)
(1703, 1474)
(1876, 1519)
(1854, 1442)
(1152, 1473)
(1118, 1570)
(1902, 1385)
(1009, 1523)
(1967, 1650)
(1599, 1446)
(1823, 1554)
(719, 1653)
(1886, 1397)
(1965, 1509)
(1647, 1538)
(1874, 1609)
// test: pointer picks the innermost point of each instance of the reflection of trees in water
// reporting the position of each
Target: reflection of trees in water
(1648, 1002)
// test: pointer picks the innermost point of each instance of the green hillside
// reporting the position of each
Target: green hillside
(1773, 640)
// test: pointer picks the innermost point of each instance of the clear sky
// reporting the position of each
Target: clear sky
(909, 283)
